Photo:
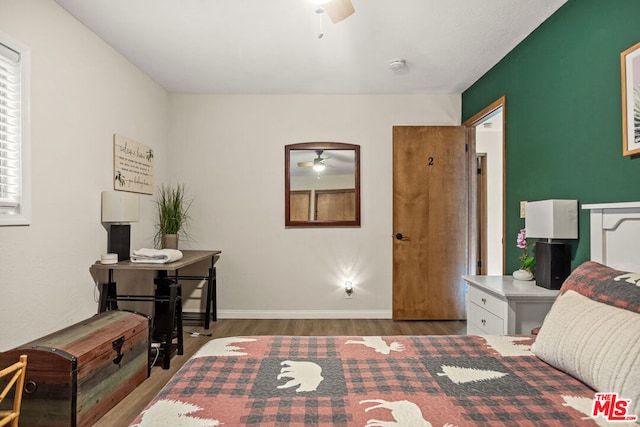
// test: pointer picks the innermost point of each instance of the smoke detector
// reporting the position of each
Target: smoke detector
(397, 64)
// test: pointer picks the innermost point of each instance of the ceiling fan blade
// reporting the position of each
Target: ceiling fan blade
(305, 164)
(339, 10)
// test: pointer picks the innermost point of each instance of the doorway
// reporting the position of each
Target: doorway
(489, 125)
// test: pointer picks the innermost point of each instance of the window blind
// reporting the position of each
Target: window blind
(10, 131)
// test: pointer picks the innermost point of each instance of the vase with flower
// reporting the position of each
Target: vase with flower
(526, 260)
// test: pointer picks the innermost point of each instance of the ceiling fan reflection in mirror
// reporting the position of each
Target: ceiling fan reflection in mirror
(318, 164)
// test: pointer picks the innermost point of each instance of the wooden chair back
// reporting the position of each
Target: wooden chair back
(18, 369)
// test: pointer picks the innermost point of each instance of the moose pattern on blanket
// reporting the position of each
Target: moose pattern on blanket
(369, 381)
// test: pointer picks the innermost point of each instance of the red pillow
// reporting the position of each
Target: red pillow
(604, 284)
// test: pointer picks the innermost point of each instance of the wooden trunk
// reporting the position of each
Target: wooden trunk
(76, 375)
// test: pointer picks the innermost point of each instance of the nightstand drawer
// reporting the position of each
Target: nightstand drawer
(500, 305)
(487, 301)
(485, 321)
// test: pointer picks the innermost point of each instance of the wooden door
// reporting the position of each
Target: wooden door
(481, 214)
(300, 205)
(431, 221)
(335, 205)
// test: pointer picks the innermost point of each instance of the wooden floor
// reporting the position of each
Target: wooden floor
(126, 411)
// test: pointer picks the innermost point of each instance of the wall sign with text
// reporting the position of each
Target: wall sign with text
(132, 166)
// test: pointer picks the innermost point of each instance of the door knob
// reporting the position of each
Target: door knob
(400, 236)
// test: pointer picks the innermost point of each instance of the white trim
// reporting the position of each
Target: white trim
(618, 205)
(24, 217)
(304, 314)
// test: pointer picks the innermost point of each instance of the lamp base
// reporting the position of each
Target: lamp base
(120, 240)
(553, 264)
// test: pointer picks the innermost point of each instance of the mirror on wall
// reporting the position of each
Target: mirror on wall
(322, 184)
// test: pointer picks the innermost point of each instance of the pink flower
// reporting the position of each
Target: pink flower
(522, 239)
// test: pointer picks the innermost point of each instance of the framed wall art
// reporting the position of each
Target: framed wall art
(132, 166)
(630, 66)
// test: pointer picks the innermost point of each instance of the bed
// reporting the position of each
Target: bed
(581, 368)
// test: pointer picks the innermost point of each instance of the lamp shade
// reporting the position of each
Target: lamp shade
(552, 219)
(120, 206)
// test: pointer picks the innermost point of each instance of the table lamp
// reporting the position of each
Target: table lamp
(552, 219)
(119, 208)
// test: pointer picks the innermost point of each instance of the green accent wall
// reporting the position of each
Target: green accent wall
(564, 113)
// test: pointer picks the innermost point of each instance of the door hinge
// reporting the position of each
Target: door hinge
(479, 264)
(466, 148)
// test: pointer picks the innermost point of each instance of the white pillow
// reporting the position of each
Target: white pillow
(597, 343)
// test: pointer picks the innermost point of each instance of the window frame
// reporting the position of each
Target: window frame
(22, 213)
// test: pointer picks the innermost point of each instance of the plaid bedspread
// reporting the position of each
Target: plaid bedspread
(369, 381)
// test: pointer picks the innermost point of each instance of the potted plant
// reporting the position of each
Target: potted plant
(526, 261)
(173, 215)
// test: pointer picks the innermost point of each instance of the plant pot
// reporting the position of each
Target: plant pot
(169, 241)
(522, 275)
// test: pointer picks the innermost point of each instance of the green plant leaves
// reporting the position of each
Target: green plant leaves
(173, 211)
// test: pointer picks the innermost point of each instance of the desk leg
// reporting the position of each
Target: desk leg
(209, 296)
(108, 295)
(214, 298)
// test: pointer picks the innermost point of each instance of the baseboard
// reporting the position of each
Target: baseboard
(304, 314)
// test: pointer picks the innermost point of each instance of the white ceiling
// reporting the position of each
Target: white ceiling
(272, 46)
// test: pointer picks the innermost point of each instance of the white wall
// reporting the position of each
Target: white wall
(82, 93)
(327, 182)
(229, 149)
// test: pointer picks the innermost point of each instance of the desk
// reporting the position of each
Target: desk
(168, 275)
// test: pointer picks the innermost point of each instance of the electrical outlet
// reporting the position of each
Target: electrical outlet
(523, 208)
(348, 289)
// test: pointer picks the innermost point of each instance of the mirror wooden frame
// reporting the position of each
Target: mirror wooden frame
(287, 183)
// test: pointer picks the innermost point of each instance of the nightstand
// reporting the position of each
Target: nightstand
(500, 305)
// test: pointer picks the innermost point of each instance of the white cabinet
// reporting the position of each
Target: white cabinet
(500, 305)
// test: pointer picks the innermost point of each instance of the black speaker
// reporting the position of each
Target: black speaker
(120, 240)
(553, 264)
